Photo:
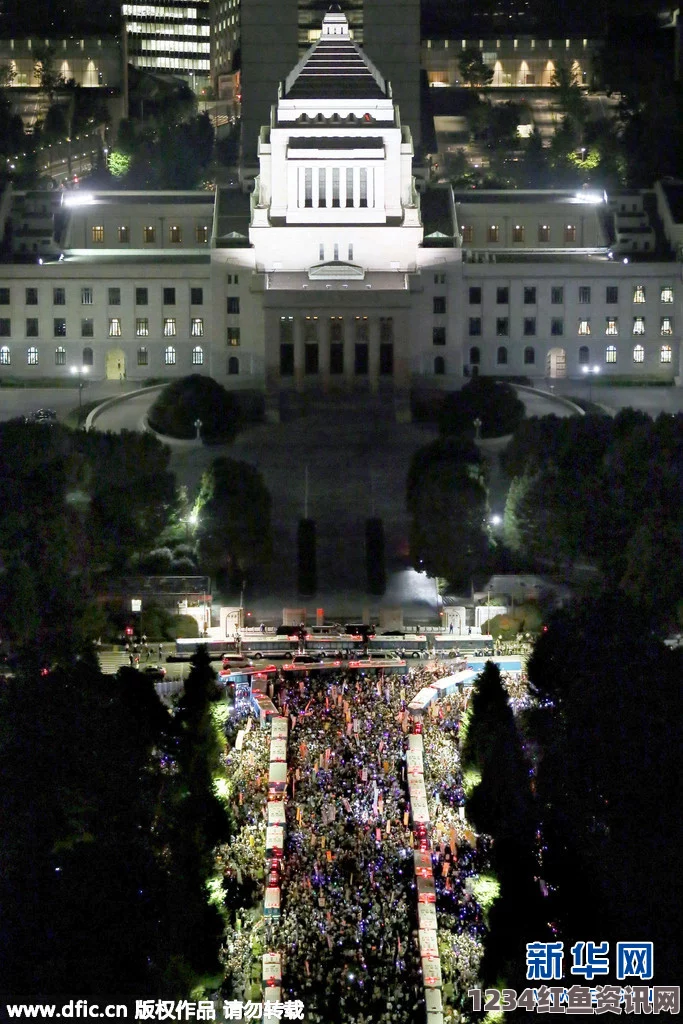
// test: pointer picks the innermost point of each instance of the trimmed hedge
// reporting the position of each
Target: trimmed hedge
(496, 404)
(191, 398)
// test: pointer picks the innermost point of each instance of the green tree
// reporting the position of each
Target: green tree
(447, 502)
(45, 70)
(569, 93)
(494, 403)
(608, 730)
(473, 70)
(234, 529)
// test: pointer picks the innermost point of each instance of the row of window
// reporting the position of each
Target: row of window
(584, 355)
(361, 359)
(149, 234)
(666, 294)
(113, 296)
(519, 233)
(170, 357)
(360, 329)
(666, 328)
(169, 327)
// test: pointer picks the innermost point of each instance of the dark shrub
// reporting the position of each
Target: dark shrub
(496, 404)
(195, 398)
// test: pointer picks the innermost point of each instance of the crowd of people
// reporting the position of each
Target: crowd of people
(348, 927)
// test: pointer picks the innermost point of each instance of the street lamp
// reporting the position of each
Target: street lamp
(589, 371)
(81, 371)
(476, 423)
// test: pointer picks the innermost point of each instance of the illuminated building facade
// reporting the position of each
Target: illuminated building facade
(172, 36)
(337, 273)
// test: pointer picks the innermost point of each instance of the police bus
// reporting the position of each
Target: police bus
(412, 645)
(450, 645)
(333, 645)
(269, 645)
(185, 647)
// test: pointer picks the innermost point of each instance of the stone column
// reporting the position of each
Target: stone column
(301, 187)
(356, 186)
(328, 186)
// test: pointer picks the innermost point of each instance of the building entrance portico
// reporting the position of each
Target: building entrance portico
(115, 364)
(556, 363)
(325, 350)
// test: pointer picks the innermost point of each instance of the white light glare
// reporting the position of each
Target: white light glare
(589, 197)
(80, 199)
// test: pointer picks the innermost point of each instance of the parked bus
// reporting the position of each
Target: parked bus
(414, 645)
(450, 645)
(185, 647)
(333, 645)
(265, 645)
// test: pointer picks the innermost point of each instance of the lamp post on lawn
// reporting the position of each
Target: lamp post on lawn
(81, 371)
(589, 371)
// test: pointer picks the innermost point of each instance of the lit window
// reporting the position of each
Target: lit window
(114, 327)
(492, 233)
(197, 356)
(32, 356)
(149, 235)
(143, 356)
(87, 327)
(664, 354)
(59, 327)
(544, 232)
(584, 294)
(639, 293)
(584, 355)
(611, 354)
(569, 234)
(86, 296)
(666, 293)
(467, 234)
(201, 234)
(197, 327)
(666, 326)
(169, 356)
(233, 337)
(142, 327)
(60, 356)
(612, 325)
(175, 235)
(584, 326)
(97, 232)
(518, 233)
(639, 325)
(169, 327)
(638, 354)
(124, 234)
(6, 358)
